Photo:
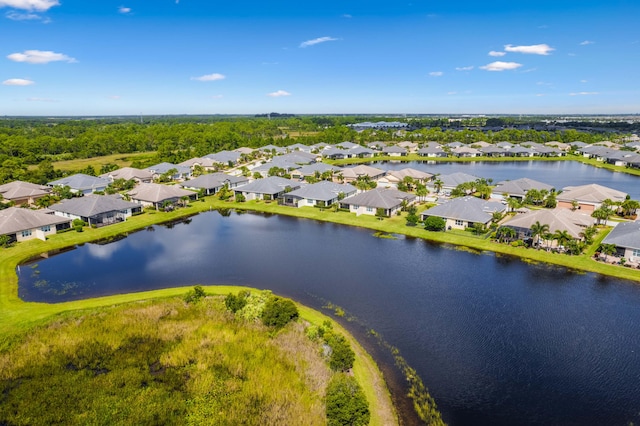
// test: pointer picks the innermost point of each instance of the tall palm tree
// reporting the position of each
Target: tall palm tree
(538, 230)
(513, 203)
(561, 237)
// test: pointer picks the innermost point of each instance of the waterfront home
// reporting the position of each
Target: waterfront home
(320, 194)
(558, 219)
(96, 210)
(314, 170)
(432, 151)
(81, 183)
(452, 180)
(334, 153)
(521, 151)
(394, 151)
(518, 188)
(626, 237)
(177, 172)
(22, 193)
(622, 158)
(480, 144)
(351, 174)
(157, 195)
(214, 182)
(560, 145)
(394, 177)
(270, 188)
(129, 173)
(577, 144)
(360, 152)
(346, 145)
(505, 145)
(368, 202)
(465, 151)
(588, 197)
(408, 145)
(492, 151)
(464, 212)
(21, 224)
(225, 157)
(455, 144)
(377, 145)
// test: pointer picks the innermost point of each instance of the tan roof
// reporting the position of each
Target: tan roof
(18, 189)
(413, 173)
(557, 219)
(361, 170)
(156, 193)
(15, 219)
(590, 194)
(128, 173)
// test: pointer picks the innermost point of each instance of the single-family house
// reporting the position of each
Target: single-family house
(394, 177)
(23, 193)
(465, 151)
(334, 153)
(521, 151)
(204, 162)
(360, 152)
(270, 188)
(81, 183)
(96, 210)
(588, 197)
(346, 145)
(225, 157)
(320, 194)
(272, 149)
(315, 169)
(351, 174)
(21, 224)
(214, 182)
(464, 212)
(518, 188)
(368, 202)
(299, 147)
(177, 172)
(452, 180)
(432, 151)
(377, 145)
(557, 219)
(626, 237)
(394, 151)
(492, 151)
(408, 145)
(156, 195)
(129, 173)
(244, 150)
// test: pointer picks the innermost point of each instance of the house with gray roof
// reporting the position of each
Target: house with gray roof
(21, 224)
(432, 151)
(225, 157)
(465, 151)
(558, 219)
(377, 145)
(518, 188)
(588, 197)
(394, 177)
(492, 151)
(368, 202)
(312, 169)
(334, 153)
(96, 210)
(452, 180)
(408, 145)
(464, 212)
(521, 151)
(204, 162)
(273, 149)
(129, 173)
(214, 182)
(156, 195)
(351, 174)
(270, 188)
(360, 152)
(320, 194)
(179, 172)
(626, 237)
(81, 183)
(23, 193)
(394, 151)
(505, 145)
(299, 147)
(346, 145)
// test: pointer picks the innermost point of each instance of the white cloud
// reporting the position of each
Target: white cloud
(40, 57)
(452, 93)
(584, 81)
(542, 83)
(346, 15)
(217, 97)
(584, 94)
(124, 10)
(469, 68)
(494, 53)
(114, 97)
(534, 49)
(317, 41)
(278, 94)
(18, 82)
(436, 73)
(17, 16)
(209, 77)
(40, 5)
(501, 66)
(586, 42)
(41, 100)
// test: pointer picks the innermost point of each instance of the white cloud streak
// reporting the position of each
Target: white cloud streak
(209, 77)
(495, 53)
(436, 73)
(18, 82)
(39, 5)
(584, 94)
(279, 94)
(317, 41)
(534, 49)
(40, 57)
(124, 10)
(586, 42)
(501, 66)
(469, 68)
(17, 16)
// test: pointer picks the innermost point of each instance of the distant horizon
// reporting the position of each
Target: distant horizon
(195, 57)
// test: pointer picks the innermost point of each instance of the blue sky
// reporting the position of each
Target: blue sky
(79, 57)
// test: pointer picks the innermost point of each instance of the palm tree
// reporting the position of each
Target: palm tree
(561, 237)
(421, 191)
(513, 203)
(437, 184)
(506, 233)
(538, 230)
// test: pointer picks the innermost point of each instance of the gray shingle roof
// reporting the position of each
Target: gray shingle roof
(92, 205)
(165, 167)
(214, 180)
(592, 193)
(156, 193)
(323, 191)
(361, 170)
(519, 186)
(311, 169)
(625, 234)
(379, 198)
(128, 173)
(269, 185)
(18, 189)
(454, 179)
(224, 156)
(468, 209)
(15, 219)
(81, 182)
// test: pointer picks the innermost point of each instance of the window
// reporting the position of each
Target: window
(26, 233)
(369, 209)
(459, 222)
(636, 253)
(46, 228)
(355, 206)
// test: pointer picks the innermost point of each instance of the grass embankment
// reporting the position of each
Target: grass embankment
(121, 160)
(170, 362)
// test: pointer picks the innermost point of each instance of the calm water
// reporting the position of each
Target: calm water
(556, 173)
(496, 340)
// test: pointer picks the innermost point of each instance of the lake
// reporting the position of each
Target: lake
(496, 340)
(558, 174)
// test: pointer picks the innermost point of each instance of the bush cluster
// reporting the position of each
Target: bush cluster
(346, 403)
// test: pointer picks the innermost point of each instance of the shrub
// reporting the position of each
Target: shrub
(434, 223)
(78, 224)
(346, 403)
(342, 356)
(240, 198)
(195, 294)
(278, 312)
(236, 302)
